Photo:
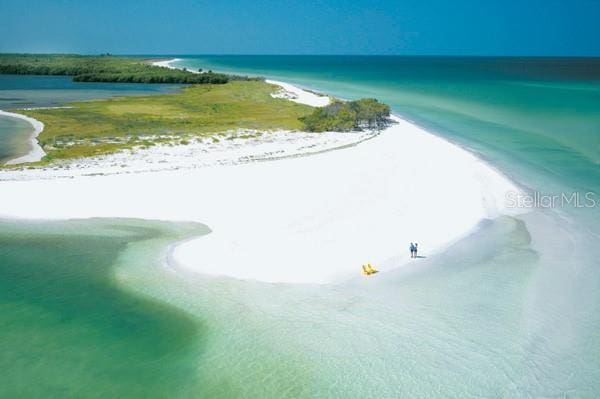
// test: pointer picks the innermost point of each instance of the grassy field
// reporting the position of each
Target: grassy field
(104, 126)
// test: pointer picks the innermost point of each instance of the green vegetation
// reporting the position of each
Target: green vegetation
(219, 103)
(345, 116)
(104, 126)
(106, 68)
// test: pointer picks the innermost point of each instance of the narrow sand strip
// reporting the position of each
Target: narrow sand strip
(298, 95)
(166, 63)
(287, 91)
(36, 152)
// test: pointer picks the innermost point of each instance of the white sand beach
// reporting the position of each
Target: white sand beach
(166, 63)
(298, 95)
(303, 219)
(286, 90)
(229, 148)
(36, 152)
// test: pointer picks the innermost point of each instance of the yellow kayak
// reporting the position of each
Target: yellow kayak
(368, 269)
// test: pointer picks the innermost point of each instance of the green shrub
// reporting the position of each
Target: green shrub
(346, 116)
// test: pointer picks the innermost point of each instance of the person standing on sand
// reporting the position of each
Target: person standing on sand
(412, 250)
(416, 249)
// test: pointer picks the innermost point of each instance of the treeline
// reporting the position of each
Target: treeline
(367, 113)
(105, 68)
(204, 78)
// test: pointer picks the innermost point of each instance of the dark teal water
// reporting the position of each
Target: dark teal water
(17, 91)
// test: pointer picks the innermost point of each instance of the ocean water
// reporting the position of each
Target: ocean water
(513, 310)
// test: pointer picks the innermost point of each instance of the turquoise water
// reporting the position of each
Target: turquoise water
(511, 311)
(68, 328)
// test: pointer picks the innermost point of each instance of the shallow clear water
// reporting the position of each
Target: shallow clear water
(511, 311)
(14, 138)
(70, 328)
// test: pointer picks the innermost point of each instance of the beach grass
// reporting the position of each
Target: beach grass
(97, 127)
